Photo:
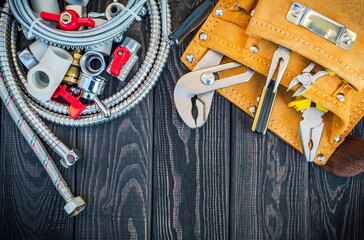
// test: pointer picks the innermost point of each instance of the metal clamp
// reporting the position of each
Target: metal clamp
(321, 25)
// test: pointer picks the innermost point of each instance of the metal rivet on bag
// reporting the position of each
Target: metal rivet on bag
(258, 99)
(340, 97)
(219, 12)
(337, 139)
(203, 36)
(252, 12)
(321, 158)
(254, 48)
(253, 110)
(190, 58)
(347, 39)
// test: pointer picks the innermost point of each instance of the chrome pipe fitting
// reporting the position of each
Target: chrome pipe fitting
(27, 59)
(92, 87)
(31, 56)
(92, 63)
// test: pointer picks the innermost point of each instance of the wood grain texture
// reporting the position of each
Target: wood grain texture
(191, 170)
(31, 208)
(337, 204)
(115, 174)
(268, 185)
(148, 176)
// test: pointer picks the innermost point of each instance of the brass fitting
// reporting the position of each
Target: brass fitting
(73, 73)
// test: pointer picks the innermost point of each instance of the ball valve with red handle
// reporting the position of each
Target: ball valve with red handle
(76, 107)
(68, 20)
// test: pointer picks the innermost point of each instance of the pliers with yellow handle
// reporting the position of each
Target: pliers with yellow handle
(311, 126)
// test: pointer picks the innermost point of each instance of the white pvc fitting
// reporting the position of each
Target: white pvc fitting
(50, 6)
(44, 78)
(78, 2)
(106, 48)
(81, 10)
(38, 49)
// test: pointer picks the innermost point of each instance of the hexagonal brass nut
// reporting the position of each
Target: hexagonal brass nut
(74, 206)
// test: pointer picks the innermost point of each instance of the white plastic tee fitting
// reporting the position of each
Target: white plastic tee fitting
(44, 78)
(38, 49)
(78, 2)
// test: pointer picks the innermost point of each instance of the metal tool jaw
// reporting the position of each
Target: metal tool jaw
(306, 78)
(311, 128)
(200, 85)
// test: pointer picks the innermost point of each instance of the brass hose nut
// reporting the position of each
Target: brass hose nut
(74, 206)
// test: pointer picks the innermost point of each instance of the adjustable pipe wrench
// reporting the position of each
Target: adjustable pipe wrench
(200, 85)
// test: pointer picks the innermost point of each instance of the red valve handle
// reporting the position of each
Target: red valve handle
(76, 107)
(68, 20)
(120, 57)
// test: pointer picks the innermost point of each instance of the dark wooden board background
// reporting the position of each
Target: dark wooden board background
(148, 176)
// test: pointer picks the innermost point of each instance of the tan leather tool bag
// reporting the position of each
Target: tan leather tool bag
(249, 31)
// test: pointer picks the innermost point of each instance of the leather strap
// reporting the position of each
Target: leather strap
(247, 5)
(348, 159)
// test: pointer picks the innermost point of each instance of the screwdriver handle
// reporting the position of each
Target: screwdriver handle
(197, 17)
(265, 107)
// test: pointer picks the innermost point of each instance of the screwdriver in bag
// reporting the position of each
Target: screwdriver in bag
(267, 99)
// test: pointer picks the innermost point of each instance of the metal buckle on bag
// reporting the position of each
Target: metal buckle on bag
(321, 25)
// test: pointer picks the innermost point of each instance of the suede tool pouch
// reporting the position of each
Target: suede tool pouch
(232, 31)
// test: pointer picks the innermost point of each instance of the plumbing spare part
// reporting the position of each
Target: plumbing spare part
(92, 63)
(31, 56)
(113, 10)
(194, 19)
(68, 20)
(78, 2)
(92, 87)
(74, 205)
(27, 58)
(38, 49)
(73, 73)
(76, 107)
(124, 58)
(44, 78)
(33, 110)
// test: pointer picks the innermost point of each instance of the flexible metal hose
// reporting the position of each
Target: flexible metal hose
(25, 110)
(107, 32)
(123, 100)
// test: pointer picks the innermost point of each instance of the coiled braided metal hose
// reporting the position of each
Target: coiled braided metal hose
(29, 110)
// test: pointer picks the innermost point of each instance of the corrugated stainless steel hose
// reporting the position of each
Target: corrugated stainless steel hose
(26, 110)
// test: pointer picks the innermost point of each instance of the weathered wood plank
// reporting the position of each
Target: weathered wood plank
(268, 185)
(337, 204)
(115, 177)
(191, 170)
(30, 206)
(115, 174)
